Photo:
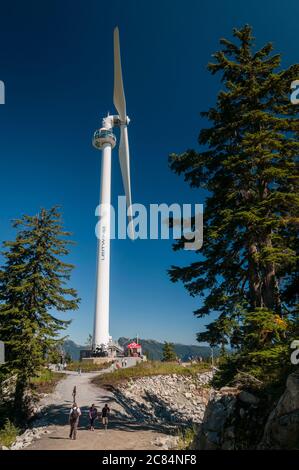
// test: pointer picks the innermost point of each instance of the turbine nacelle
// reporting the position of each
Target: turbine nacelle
(114, 121)
(105, 135)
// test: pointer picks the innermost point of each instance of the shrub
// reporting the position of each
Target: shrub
(87, 366)
(8, 434)
(46, 380)
(187, 437)
(147, 369)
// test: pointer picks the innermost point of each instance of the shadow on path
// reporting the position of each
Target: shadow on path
(58, 415)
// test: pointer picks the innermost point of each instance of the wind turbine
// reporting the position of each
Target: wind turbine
(105, 140)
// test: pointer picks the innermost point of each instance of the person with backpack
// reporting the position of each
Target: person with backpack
(75, 414)
(93, 412)
(105, 413)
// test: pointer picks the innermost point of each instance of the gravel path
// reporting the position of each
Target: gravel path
(123, 433)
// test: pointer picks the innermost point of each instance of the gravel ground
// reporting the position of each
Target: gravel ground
(124, 432)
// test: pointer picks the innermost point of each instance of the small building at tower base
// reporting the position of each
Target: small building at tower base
(134, 350)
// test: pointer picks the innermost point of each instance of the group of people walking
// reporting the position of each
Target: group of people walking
(93, 415)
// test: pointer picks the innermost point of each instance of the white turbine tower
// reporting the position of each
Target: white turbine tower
(105, 140)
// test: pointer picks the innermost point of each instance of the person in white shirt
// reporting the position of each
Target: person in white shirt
(75, 414)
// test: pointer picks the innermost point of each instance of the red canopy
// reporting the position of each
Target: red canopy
(133, 346)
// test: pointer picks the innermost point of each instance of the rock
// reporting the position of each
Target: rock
(230, 433)
(282, 427)
(213, 437)
(166, 442)
(247, 397)
(4, 448)
(229, 390)
(236, 420)
(167, 399)
(158, 443)
(215, 432)
(228, 445)
(17, 446)
(28, 436)
(293, 389)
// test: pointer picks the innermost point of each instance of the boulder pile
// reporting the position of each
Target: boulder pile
(170, 400)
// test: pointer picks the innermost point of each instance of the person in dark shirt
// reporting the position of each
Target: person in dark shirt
(93, 412)
(105, 414)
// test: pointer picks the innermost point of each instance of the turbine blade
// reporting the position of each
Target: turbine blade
(124, 160)
(119, 99)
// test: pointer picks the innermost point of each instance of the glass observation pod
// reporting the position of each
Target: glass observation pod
(102, 137)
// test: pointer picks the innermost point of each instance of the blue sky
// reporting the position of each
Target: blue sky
(56, 59)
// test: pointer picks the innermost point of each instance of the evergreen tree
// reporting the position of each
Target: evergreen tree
(169, 354)
(32, 287)
(248, 165)
(54, 355)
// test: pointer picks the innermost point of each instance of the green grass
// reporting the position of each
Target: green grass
(186, 438)
(87, 366)
(147, 369)
(46, 381)
(8, 434)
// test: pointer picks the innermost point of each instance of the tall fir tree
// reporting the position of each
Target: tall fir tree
(249, 166)
(168, 351)
(33, 285)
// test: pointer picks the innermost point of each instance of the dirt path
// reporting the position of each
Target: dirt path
(123, 433)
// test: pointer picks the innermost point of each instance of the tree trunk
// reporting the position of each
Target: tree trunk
(270, 288)
(253, 277)
(18, 407)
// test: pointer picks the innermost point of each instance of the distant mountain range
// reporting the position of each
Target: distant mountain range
(152, 348)
(73, 349)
